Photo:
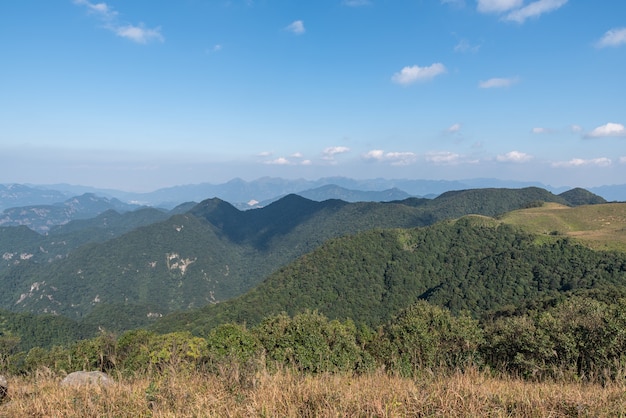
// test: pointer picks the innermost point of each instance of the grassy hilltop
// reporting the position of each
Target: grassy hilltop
(601, 227)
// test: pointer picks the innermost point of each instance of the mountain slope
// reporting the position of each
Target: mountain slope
(215, 252)
(20, 244)
(600, 226)
(475, 264)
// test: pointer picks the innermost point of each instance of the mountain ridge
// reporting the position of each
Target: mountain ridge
(213, 251)
(240, 192)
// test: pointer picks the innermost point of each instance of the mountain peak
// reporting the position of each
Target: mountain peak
(579, 196)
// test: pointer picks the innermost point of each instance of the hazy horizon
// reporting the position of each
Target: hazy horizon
(145, 95)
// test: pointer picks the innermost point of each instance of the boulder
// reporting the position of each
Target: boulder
(4, 388)
(87, 378)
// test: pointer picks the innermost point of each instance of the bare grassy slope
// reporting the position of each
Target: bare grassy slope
(601, 227)
(470, 394)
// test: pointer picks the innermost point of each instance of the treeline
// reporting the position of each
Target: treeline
(581, 337)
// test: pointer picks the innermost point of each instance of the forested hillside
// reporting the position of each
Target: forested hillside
(21, 246)
(474, 264)
(210, 253)
(123, 271)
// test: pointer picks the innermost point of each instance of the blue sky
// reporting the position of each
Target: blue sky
(138, 95)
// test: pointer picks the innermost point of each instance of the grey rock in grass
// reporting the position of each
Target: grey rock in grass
(87, 378)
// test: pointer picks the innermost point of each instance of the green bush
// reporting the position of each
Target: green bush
(235, 354)
(309, 342)
(425, 336)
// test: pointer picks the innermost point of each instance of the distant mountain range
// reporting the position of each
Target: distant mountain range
(249, 194)
(42, 217)
(158, 261)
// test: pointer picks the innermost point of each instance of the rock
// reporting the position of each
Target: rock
(4, 388)
(87, 378)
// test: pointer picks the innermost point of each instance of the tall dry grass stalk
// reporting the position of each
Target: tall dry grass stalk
(288, 394)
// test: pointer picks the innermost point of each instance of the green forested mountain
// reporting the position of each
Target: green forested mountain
(21, 245)
(211, 253)
(579, 196)
(475, 264)
(22, 331)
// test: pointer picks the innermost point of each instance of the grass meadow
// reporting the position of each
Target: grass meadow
(288, 394)
(601, 227)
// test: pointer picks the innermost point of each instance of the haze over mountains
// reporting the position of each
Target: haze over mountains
(247, 194)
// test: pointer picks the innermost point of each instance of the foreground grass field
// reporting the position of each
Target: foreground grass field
(470, 394)
(601, 227)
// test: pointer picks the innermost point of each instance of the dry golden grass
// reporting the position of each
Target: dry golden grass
(285, 394)
(601, 227)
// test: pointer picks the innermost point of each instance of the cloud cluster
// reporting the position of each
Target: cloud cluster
(296, 27)
(136, 33)
(294, 159)
(497, 6)
(433, 158)
(516, 11)
(613, 37)
(610, 129)
(581, 162)
(454, 128)
(514, 157)
(465, 46)
(394, 158)
(498, 82)
(442, 157)
(328, 156)
(410, 75)
(330, 152)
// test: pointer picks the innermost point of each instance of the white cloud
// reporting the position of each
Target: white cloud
(217, 48)
(622, 160)
(580, 162)
(279, 161)
(534, 9)
(102, 9)
(138, 34)
(410, 75)
(135, 33)
(442, 157)
(375, 154)
(610, 129)
(454, 128)
(465, 46)
(498, 83)
(356, 3)
(540, 130)
(514, 157)
(296, 155)
(395, 158)
(265, 154)
(498, 6)
(613, 37)
(296, 27)
(576, 128)
(330, 152)
(401, 158)
(516, 11)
